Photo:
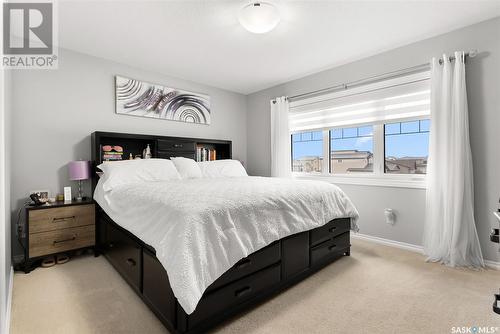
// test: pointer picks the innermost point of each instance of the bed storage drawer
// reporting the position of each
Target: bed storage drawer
(124, 254)
(156, 288)
(330, 230)
(252, 263)
(330, 248)
(233, 294)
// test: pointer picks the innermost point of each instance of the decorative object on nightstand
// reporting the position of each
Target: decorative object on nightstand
(35, 197)
(79, 171)
(67, 195)
(57, 228)
(39, 197)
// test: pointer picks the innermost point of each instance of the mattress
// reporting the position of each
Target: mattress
(200, 228)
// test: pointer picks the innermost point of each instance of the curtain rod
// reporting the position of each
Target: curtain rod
(375, 78)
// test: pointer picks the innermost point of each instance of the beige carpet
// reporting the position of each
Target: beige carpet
(377, 290)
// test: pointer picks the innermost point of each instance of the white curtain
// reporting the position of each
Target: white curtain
(450, 235)
(280, 138)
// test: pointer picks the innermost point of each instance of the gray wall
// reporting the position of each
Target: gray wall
(483, 80)
(54, 112)
(5, 243)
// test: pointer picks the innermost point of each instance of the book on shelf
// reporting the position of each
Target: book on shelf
(205, 154)
(112, 153)
(111, 157)
(198, 153)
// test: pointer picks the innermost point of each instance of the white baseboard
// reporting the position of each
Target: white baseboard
(9, 302)
(388, 242)
(492, 264)
(410, 247)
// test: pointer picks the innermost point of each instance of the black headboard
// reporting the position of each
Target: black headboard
(161, 147)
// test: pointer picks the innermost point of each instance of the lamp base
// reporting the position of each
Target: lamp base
(80, 196)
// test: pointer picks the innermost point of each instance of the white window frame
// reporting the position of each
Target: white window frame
(376, 178)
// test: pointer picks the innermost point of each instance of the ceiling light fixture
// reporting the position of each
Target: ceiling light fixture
(259, 17)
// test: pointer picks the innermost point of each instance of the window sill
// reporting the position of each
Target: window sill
(398, 181)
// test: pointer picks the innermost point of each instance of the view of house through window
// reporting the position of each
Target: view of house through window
(351, 150)
(307, 152)
(407, 147)
(368, 131)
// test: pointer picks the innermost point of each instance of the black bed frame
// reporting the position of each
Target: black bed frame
(249, 282)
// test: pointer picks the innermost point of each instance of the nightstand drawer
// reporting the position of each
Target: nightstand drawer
(44, 243)
(52, 219)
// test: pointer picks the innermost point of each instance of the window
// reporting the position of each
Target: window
(406, 147)
(307, 152)
(374, 131)
(351, 150)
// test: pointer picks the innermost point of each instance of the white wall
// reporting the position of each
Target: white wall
(483, 80)
(55, 111)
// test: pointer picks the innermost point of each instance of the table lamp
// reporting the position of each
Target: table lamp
(79, 171)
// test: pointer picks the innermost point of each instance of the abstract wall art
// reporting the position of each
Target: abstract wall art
(139, 98)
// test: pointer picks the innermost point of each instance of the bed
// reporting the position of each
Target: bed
(198, 259)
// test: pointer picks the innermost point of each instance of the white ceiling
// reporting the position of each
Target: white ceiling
(202, 41)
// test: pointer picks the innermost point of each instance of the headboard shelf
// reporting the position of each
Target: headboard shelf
(163, 147)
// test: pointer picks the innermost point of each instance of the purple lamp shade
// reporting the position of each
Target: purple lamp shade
(79, 170)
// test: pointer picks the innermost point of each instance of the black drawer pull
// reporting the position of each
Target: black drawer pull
(131, 262)
(332, 247)
(54, 220)
(243, 263)
(332, 229)
(111, 245)
(177, 145)
(243, 291)
(64, 240)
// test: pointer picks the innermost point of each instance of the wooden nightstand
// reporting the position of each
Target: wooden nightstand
(56, 228)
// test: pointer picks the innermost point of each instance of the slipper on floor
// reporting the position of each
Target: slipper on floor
(62, 258)
(48, 262)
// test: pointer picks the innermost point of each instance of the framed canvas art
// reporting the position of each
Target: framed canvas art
(144, 99)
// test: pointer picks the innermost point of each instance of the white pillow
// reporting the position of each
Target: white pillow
(187, 168)
(222, 168)
(131, 171)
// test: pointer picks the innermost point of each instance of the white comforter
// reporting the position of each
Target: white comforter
(201, 227)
